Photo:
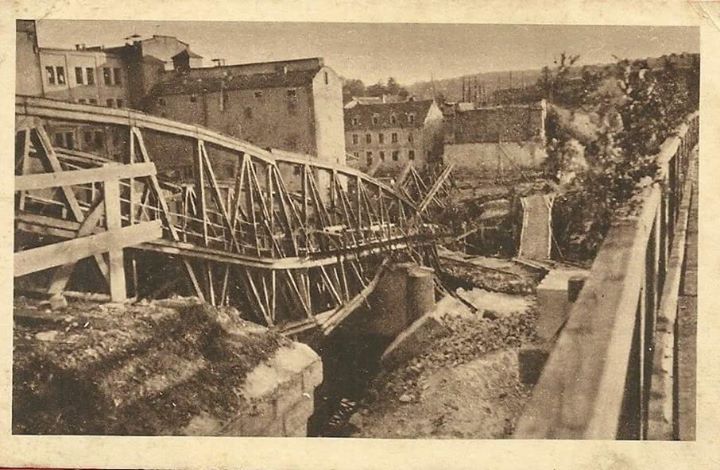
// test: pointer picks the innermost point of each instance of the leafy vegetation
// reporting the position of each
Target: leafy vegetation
(354, 87)
(635, 107)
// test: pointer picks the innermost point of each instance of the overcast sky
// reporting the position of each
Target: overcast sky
(374, 51)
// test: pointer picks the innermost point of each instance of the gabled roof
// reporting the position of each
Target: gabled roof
(187, 52)
(384, 112)
(182, 85)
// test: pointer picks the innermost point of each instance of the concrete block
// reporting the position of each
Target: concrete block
(296, 419)
(287, 364)
(257, 421)
(312, 377)
(420, 292)
(531, 361)
(413, 340)
(287, 393)
(552, 301)
(389, 313)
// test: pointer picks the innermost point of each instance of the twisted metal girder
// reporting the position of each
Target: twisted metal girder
(289, 236)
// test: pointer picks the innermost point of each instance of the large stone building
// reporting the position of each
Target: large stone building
(293, 105)
(384, 137)
(496, 141)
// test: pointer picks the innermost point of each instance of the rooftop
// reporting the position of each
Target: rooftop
(182, 84)
(384, 113)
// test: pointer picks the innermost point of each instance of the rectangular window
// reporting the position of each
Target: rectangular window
(381, 138)
(382, 156)
(411, 154)
(258, 94)
(120, 103)
(355, 121)
(393, 119)
(90, 72)
(78, 75)
(69, 140)
(395, 155)
(411, 118)
(369, 158)
(161, 101)
(60, 71)
(88, 137)
(116, 76)
(356, 154)
(59, 140)
(394, 138)
(93, 101)
(193, 98)
(292, 93)
(82, 101)
(50, 72)
(107, 76)
(368, 138)
(410, 137)
(355, 139)
(109, 102)
(99, 139)
(375, 119)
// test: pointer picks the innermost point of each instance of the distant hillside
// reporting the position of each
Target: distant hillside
(489, 82)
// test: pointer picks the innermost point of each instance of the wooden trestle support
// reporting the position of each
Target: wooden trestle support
(295, 243)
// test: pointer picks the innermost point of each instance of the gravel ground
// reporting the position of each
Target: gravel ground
(464, 385)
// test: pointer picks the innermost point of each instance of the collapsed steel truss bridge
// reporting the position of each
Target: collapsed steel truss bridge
(297, 243)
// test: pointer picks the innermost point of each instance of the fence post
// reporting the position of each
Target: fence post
(118, 291)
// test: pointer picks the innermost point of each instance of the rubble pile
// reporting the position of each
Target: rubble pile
(465, 274)
(470, 338)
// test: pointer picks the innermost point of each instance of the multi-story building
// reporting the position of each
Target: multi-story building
(384, 137)
(293, 105)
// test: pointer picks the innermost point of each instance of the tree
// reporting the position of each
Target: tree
(352, 87)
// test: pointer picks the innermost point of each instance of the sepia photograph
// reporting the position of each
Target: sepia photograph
(385, 231)
(317, 236)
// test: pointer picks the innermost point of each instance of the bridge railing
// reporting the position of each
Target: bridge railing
(597, 381)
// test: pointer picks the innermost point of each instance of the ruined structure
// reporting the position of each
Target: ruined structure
(496, 141)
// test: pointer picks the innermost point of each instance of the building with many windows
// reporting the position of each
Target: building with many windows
(293, 105)
(386, 136)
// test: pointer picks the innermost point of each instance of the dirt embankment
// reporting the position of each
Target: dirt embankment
(465, 384)
(143, 369)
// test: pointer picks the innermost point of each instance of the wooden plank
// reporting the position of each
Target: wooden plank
(113, 222)
(37, 259)
(52, 164)
(74, 177)
(61, 276)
